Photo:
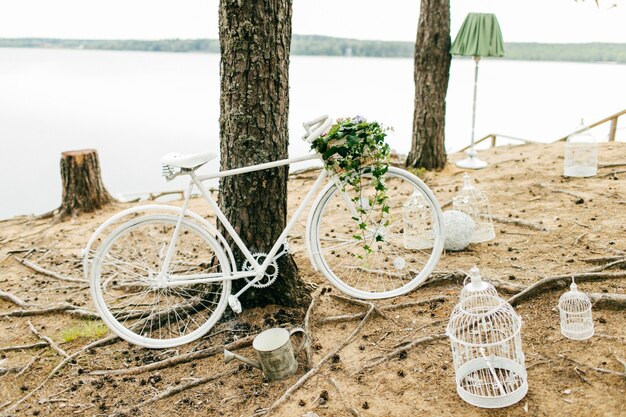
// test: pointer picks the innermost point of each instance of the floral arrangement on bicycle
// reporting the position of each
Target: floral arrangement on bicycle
(353, 147)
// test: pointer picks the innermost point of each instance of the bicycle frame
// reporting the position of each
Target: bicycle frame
(258, 270)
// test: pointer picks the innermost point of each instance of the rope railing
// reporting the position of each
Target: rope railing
(612, 132)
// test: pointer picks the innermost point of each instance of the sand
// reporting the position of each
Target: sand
(583, 219)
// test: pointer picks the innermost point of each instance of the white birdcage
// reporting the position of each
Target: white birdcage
(580, 154)
(475, 204)
(485, 336)
(417, 218)
(474, 285)
(575, 312)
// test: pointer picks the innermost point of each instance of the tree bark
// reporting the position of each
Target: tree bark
(432, 71)
(255, 38)
(83, 190)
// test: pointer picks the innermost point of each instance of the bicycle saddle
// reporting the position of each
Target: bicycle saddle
(180, 160)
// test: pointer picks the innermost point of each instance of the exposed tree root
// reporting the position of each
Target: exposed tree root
(13, 299)
(307, 329)
(608, 301)
(561, 281)
(47, 272)
(178, 359)
(49, 341)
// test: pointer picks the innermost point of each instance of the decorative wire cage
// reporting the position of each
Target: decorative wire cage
(417, 218)
(475, 204)
(575, 311)
(580, 157)
(474, 285)
(485, 336)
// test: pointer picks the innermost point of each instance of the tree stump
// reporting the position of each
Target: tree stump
(83, 190)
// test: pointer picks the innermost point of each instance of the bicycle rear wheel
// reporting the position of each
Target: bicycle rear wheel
(125, 285)
(400, 254)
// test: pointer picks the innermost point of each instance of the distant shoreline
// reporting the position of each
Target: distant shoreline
(314, 45)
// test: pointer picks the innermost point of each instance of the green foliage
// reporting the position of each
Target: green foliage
(89, 329)
(328, 46)
(351, 148)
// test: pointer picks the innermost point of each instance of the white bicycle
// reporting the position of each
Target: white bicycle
(161, 275)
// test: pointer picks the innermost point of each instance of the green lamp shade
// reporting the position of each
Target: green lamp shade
(479, 35)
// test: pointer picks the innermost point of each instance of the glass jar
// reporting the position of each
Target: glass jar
(580, 154)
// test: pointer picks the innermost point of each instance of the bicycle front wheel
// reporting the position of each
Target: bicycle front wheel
(374, 253)
(146, 307)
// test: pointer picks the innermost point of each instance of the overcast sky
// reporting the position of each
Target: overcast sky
(521, 20)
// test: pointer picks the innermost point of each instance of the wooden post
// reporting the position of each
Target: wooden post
(613, 129)
(83, 190)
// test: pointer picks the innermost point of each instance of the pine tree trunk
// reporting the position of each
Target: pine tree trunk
(255, 38)
(432, 71)
(83, 190)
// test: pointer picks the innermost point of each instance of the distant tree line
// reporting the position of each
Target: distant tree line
(328, 46)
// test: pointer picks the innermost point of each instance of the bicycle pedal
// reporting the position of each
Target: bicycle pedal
(234, 304)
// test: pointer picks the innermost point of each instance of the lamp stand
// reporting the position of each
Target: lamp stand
(473, 162)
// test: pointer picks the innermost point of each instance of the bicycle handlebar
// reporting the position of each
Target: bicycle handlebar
(314, 128)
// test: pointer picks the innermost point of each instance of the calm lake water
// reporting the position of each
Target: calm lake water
(134, 107)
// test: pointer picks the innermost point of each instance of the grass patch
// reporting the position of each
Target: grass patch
(418, 172)
(89, 329)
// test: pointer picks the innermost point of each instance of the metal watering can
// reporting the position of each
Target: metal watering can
(276, 357)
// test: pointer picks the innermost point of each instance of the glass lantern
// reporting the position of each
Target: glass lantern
(581, 154)
(417, 218)
(475, 204)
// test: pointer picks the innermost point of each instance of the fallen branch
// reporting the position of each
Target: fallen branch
(46, 339)
(307, 329)
(175, 390)
(13, 299)
(618, 263)
(570, 193)
(325, 359)
(391, 307)
(28, 365)
(47, 272)
(177, 360)
(600, 370)
(351, 410)
(23, 347)
(603, 259)
(561, 281)
(613, 165)
(608, 301)
(70, 309)
(398, 351)
(365, 304)
(521, 223)
(14, 369)
(613, 173)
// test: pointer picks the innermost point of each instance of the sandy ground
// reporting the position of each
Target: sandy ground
(583, 219)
